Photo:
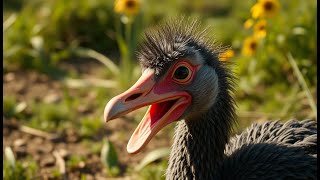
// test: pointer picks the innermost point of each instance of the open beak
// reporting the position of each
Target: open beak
(167, 104)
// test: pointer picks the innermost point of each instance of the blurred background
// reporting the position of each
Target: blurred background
(63, 61)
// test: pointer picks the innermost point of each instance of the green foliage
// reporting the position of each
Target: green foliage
(43, 33)
(89, 126)
(15, 172)
(50, 116)
(74, 161)
(94, 147)
(269, 73)
(153, 156)
(9, 103)
(13, 108)
(13, 169)
(152, 166)
(56, 173)
(109, 158)
(153, 171)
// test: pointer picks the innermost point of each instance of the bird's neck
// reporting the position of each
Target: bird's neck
(199, 144)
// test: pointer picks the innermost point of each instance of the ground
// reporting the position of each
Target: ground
(67, 148)
(25, 143)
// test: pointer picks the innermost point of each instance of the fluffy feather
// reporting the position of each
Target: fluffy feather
(202, 149)
(170, 40)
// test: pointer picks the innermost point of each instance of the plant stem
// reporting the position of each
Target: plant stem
(303, 83)
(128, 41)
(128, 33)
(123, 47)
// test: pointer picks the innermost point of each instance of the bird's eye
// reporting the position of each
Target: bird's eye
(182, 73)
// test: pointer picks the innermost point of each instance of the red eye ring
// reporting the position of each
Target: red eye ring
(182, 73)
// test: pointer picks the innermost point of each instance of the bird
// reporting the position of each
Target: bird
(184, 82)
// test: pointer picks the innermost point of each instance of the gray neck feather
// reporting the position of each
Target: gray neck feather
(198, 147)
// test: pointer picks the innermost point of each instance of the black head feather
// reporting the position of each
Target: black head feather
(172, 40)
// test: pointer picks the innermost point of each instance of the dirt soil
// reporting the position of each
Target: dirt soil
(26, 86)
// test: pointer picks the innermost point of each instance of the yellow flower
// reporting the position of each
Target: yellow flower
(260, 29)
(226, 55)
(250, 46)
(265, 8)
(248, 23)
(127, 7)
(256, 10)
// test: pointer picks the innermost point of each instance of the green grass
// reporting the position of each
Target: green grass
(50, 117)
(16, 169)
(90, 126)
(155, 171)
(9, 104)
(44, 35)
(74, 161)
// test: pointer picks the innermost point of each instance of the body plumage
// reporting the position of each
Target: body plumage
(183, 80)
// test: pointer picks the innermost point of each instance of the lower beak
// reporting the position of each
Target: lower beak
(165, 107)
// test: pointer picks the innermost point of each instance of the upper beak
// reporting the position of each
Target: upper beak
(139, 95)
(167, 105)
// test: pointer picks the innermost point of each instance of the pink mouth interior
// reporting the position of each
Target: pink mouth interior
(159, 109)
(151, 124)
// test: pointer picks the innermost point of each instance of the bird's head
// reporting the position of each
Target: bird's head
(181, 79)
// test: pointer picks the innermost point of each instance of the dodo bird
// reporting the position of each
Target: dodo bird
(184, 81)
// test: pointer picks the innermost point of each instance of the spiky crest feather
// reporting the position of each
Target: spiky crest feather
(170, 40)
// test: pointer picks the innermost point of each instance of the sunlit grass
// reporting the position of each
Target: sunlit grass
(277, 79)
(16, 169)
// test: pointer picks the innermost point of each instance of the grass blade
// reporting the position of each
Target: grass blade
(109, 158)
(77, 83)
(303, 83)
(153, 156)
(100, 57)
(9, 21)
(9, 156)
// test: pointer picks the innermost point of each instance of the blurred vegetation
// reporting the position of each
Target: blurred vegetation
(13, 169)
(277, 78)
